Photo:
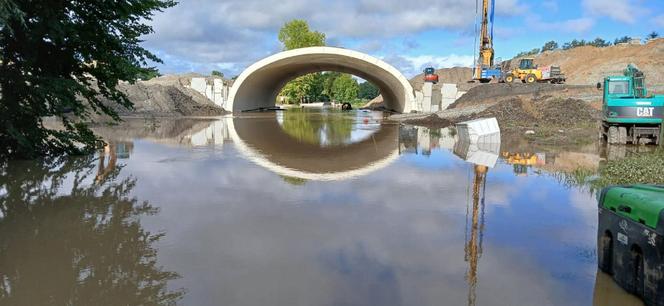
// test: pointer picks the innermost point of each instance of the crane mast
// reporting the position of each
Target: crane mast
(485, 60)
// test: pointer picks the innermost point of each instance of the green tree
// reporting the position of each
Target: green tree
(65, 56)
(528, 53)
(653, 35)
(550, 46)
(624, 39)
(599, 42)
(328, 82)
(575, 43)
(217, 73)
(299, 89)
(345, 88)
(296, 34)
(368, 91)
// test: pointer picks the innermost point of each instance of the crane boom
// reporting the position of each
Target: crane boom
(486, 53)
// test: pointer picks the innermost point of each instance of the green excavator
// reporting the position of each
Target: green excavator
(630, 113)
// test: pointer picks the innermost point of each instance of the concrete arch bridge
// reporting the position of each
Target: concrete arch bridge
(259, 85)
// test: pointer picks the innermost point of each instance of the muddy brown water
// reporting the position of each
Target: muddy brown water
(320, 208)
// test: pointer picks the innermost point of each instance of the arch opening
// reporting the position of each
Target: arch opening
(328, 86)
(259, 85)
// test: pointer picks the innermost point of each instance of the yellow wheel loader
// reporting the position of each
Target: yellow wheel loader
(529, 73)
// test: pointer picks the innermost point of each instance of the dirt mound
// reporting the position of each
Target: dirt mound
(496, 93)
(588, 65)
(167, 96)
(558, 112)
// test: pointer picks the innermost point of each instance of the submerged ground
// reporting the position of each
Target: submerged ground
(296, 208)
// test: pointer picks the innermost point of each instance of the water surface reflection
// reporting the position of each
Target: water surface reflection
(71, 235)
(253, 214)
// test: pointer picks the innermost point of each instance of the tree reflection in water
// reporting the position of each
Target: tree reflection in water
(325, 128)
(70, 238)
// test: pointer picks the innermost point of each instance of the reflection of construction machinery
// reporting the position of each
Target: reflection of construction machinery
(631, 115)
(473, 247)
(485, 69)
(530, 73)
(430, 75)
(521, 161)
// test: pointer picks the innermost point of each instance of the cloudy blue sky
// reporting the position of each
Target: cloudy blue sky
(229, 35)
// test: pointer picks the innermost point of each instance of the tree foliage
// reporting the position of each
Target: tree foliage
(622, 40)
(599, 42)
(300, 89)
(65, 57)
(345, 88)
(653, 35)
(293, 35)
(528, 53)
(328, 82)
(217, 73)
(368, 91)
(296, 34)
(550, 46)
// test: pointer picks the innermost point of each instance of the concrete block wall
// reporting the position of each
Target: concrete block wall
(214, 89)
(430, 101)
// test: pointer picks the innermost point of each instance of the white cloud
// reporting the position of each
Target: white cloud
(578, 25)
(510, 7)
(659, 21)
(413, 65)
(621, 10)
(235, 32)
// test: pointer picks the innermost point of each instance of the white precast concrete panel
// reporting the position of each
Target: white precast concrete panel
(199, 84)
(449, 91)
(427, 103)
(259, 85)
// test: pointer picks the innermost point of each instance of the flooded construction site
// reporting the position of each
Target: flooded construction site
(313, 207)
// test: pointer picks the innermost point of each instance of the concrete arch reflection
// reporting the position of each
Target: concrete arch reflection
(263, 142)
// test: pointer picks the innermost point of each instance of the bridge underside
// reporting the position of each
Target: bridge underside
(259, 85)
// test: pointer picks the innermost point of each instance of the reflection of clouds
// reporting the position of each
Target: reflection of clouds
(240, 235)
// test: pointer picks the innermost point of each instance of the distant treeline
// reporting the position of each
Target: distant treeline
(597, 42)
